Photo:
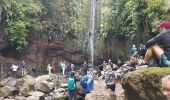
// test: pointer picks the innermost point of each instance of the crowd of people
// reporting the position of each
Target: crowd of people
(86, 80)
(158, 45)
(18, 70)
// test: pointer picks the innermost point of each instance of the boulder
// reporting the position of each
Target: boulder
(20, 82)
(25, 89)
(19, 98)
(42, 87)
(8, 82)
(144, 84)
(42, 78)
(34, 98)
(36, 94)
(6, 91)
(63, 85)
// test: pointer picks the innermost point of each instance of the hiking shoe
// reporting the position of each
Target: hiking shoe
(141, 64)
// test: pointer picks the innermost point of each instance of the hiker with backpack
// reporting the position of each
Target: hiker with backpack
(87, 82)
(72, 88)
(110, 79)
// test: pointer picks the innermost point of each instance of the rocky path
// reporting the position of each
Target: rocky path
(101, 93)
(119, 92)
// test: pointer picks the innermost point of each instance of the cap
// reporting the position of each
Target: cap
(165, 24)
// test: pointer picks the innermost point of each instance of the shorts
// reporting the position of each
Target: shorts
(164, 61)
(112, 87)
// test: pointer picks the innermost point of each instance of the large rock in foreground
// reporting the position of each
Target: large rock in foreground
(145, 84)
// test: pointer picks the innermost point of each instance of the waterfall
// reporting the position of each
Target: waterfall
(92, 29)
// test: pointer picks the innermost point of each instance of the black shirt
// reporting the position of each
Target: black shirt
(162, 39)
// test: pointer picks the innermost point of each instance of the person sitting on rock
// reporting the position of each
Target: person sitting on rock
(142, 50)
(159, 45)
(110, 63)
(166, 86)
(133, 50)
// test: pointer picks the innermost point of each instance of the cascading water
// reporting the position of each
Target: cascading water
(92, 29)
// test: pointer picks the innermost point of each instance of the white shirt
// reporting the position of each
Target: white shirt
(14, 67)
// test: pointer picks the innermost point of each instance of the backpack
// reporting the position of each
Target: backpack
(71, 84)
(110, 78)
(83, 81)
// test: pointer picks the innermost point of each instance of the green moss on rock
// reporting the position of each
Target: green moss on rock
(145, 84)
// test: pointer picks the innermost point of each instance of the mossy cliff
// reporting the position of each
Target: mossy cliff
(145, 84)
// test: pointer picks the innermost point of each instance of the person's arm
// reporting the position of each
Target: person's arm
(154, 40)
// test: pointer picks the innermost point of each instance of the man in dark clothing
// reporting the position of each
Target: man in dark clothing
(160, 45)
(142, 50)
(110, 79)
(84, 68)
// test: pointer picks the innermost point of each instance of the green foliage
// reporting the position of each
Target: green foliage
(69, 14)
(17, 33)
(42, 16)
(20, 16)
(131, 18)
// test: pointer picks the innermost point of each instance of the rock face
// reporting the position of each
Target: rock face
(141, 86)
(43, 51)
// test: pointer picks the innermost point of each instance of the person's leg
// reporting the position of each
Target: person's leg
(148, 55)
(75, 95)
(158, 51)
(154, 49)
(70, 95)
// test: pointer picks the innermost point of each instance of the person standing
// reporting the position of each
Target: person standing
(23, 69)
(84, 68)
(110, 79)
(133, 50)
(14, 69)
(49, 68)
(72, 66)
(89, 82)
(63, 66)
(72, 88)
